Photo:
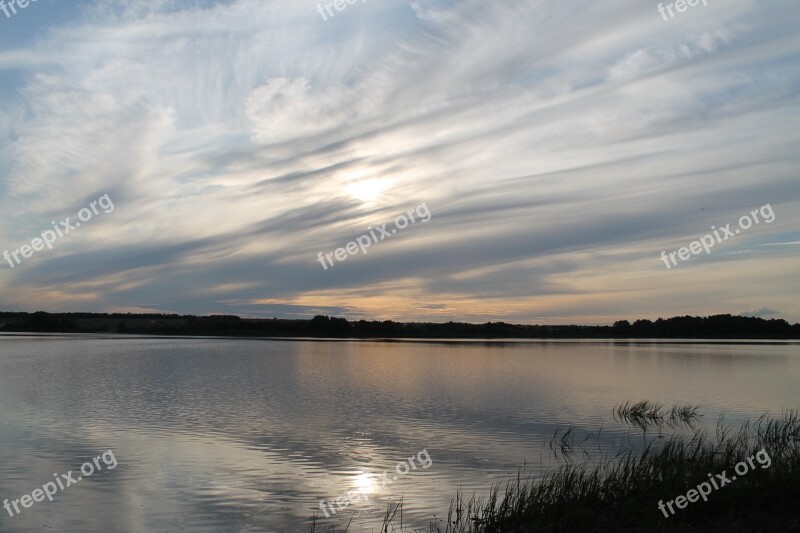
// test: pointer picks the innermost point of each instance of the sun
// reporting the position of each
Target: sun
(366, 190)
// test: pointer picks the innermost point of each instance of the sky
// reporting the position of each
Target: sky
(557, 148)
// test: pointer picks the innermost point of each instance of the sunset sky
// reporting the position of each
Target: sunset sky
(560, 147)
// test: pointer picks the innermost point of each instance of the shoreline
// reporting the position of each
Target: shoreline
(453, 340)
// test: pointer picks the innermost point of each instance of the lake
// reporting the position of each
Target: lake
(212, 434)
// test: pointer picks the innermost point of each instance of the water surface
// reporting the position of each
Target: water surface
(250, 435)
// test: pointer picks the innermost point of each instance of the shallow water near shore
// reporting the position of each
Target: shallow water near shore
(250, 435)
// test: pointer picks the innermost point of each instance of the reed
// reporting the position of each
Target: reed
(622, 494)
(646, 414)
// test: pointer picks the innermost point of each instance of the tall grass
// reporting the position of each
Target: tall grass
(623, 493)
(646, 414)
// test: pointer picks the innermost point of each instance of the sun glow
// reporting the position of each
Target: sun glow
(366, 190)
(365, 483)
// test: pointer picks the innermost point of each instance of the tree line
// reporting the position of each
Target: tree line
(716, 326)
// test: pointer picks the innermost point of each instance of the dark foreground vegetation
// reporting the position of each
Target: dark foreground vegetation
(646, 414)
(622, 494)
(717, 326)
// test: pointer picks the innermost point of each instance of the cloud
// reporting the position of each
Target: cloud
(560, 149)
(282, 110)
(761, 313)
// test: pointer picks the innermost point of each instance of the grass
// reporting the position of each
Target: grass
(645, 414)
(564, 446)
(623, 493)
(388, 518)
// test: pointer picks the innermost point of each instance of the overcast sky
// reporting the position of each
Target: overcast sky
(560, 147)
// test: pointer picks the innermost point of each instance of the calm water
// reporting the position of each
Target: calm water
(250, 435)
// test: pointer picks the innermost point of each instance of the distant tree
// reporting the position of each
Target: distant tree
(642, 328)
(623, 327)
